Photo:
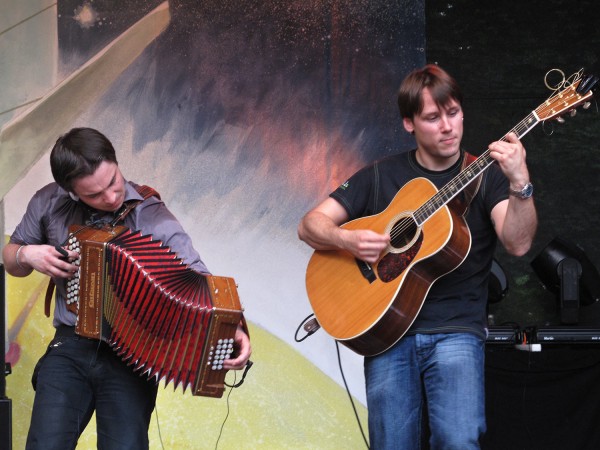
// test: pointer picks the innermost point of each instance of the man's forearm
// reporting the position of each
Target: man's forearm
(520, 226)
(14, 259)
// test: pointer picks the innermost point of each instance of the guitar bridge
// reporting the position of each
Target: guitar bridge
(367, 270)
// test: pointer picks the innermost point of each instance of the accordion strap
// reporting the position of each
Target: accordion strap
(146, 192)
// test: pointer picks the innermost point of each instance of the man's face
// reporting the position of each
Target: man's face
(104, 190)
(438, 130)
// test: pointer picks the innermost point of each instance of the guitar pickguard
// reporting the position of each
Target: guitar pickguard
(393, 264)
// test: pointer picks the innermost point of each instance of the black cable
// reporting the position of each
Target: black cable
(237, 385)
(162, 445)
(227, 401)
(337, 348)
(310, 326)
(232, 387)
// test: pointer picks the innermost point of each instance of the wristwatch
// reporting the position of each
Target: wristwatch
(526, 192)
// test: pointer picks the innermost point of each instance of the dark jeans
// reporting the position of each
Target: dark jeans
(447, 371)
(77, 376)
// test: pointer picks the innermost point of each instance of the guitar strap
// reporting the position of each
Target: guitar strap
(461, 204)
(146, 192)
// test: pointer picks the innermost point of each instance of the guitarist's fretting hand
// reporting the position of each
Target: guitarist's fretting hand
(510, 155)
(320, 229)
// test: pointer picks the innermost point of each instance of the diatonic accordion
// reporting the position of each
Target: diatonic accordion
(161, 317)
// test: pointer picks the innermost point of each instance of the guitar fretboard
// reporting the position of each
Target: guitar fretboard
(555, 105)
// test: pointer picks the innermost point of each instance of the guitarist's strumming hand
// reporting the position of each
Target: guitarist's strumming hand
(320, 228)
(365, 245)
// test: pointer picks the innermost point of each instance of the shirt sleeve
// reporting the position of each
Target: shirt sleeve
(355, 193)
(31, 228)
(495, 187)
(154, 218)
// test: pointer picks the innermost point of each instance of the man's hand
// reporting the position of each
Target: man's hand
(510, 155)
(365, 245)
(243, 350)
(46, 259)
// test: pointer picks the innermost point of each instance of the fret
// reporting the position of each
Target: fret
(525, 126)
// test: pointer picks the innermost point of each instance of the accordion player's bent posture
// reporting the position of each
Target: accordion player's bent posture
(140, 338)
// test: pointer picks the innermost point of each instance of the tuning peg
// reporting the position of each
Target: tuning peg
(573, 112)
(586, 105)
(560, 120)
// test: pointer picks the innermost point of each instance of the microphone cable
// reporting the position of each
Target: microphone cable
(311, 326)
(231, 387)
(339, 358)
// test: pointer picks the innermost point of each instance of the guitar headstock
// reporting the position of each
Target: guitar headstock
(568, 95)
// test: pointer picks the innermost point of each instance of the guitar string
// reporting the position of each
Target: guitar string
(445, 194)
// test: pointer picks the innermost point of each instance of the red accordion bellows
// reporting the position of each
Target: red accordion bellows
(166, 320)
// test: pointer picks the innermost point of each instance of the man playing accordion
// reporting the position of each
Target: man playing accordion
(78, 376)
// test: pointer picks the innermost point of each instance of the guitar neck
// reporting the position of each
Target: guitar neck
(573, 91)
(468, 174)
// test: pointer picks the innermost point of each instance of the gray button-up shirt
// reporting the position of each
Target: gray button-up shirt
(51, 211)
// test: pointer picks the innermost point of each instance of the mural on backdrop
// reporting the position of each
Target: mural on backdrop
(243, 115)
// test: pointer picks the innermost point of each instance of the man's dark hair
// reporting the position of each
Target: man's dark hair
(442, 87)
(78, 153)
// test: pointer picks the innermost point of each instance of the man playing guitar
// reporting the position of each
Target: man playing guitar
(439, 361)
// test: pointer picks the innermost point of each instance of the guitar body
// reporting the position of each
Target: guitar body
(369, 309)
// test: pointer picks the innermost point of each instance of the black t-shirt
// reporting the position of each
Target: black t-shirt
(457, 301)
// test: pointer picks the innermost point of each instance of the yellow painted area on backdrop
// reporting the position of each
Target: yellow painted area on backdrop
(285, 402)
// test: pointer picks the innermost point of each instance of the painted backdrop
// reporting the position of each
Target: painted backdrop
(243, 115)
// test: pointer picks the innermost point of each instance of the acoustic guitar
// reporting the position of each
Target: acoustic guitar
(369, 308)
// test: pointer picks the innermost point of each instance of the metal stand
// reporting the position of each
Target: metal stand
(5, 402)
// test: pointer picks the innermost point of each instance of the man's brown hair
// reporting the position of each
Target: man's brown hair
(442, 87)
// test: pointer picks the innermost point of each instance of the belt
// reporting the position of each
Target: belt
(65, 331)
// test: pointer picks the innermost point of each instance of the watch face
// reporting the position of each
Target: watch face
(527, 190)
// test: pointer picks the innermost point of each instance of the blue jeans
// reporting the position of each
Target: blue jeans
(77, 376)
(442, 374)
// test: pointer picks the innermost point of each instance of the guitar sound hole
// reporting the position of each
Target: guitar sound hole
(393, 264)
(403, 232)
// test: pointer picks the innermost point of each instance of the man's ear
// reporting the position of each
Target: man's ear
(73, 196)
(408, 125)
